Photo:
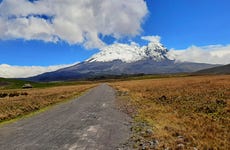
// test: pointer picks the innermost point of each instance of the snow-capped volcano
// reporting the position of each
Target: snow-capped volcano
(120, 59)
(130, 53)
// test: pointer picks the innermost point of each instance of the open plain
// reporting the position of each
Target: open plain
(182, 112)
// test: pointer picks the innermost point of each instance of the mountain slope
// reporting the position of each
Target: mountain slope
(117, 67)
(216, 70)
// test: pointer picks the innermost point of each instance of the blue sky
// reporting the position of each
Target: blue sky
(180, 24)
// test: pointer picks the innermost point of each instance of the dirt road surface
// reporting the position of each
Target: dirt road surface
(90, 122)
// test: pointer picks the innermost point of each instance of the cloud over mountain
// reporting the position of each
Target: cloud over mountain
(212, 54)
(73, 21)
(155, 39)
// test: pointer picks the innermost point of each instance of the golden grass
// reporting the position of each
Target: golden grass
(26, 101)
(185, 113)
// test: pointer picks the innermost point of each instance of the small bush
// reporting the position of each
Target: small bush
(2, 95)
(221, 103)
(14, 94)
(24, 93)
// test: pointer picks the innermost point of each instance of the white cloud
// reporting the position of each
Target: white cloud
(7, 71)
(154, 39)
(213, 54)
(73, 21)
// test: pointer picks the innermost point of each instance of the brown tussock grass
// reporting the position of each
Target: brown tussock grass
(194, 108)
(36, 99)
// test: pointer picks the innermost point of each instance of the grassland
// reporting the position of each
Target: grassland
(16, 102)
(182, 112)
(17, 84)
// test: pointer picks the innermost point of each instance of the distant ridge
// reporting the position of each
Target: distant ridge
(216, 70)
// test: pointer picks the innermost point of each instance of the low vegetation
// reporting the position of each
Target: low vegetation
(178, 112)
(19, 84)
(18, 102)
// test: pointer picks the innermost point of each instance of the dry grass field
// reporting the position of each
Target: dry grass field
(18, 102)
(183, 113)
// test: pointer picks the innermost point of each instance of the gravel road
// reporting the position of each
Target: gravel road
(90, 122)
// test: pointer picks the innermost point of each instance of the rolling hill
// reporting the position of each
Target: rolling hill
(216, 70)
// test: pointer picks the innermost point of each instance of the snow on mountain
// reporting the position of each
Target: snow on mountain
(130, 53)
(124, 52)
(156, 51)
